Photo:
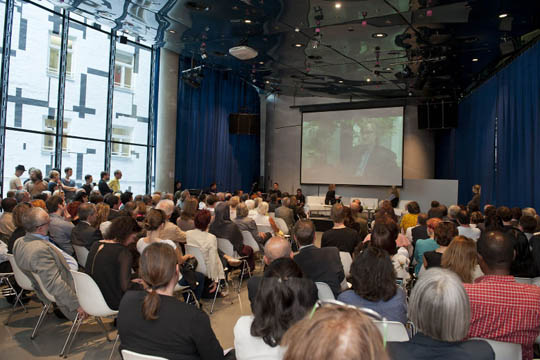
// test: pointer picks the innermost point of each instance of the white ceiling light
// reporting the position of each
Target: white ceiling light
(243, 52)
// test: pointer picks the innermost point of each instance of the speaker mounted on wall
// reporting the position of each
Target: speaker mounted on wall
(438, 115)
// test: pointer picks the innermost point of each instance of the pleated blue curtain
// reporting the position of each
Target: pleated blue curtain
(205, 151)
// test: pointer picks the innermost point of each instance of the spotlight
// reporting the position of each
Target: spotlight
(261, 62)
(368, 79)
(172, 31)
(247, 21)
(503, 15)
(388, 69)
(267, 81)
(338, 5)
(297, 29)
(379, 35)
(340, 81)
(298, 45)
(204, 56)
(475, 59)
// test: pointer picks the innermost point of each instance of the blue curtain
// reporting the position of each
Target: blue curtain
(497, 142)
(205, 151)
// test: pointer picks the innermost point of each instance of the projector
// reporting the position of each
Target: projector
(243, 52)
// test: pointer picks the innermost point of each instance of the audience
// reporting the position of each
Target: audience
(444, 233)
(18, 213)
(410, 219)
(465, 228)
(110, 262)
(59, 228)
(440, 310)
(83, 234)
(420, 231)
(170, 230)
(334, 332)
(474, 204)
(286, 213)
(358, 216)
(461, 257)
(425, 245)
(34, 253)
(284, 297)
(374, 285)
(340, 236)
(7, 227)
(114, 206)
(436, 211)
(153, 322)
(384, 237)
(502, 309)
(246, 223)
(318, 264)
(189, 209)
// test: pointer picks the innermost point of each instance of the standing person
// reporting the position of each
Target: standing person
(300, 198)
(36, 185)
(89, 184)
(69, 184)
(331, 198)
(103, 187)
(474, 204)
(114, 184)
(54, 181)
(15, 182)
(394, 196)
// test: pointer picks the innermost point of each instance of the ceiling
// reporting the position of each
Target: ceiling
(361, 49)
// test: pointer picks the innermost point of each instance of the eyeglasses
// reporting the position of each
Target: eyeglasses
(45, 223)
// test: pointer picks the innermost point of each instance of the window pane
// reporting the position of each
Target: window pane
(84, 157)
(133, 168)
(2, 17)
(132, 89)
(86, 89)
(32, 90)
(26, 149)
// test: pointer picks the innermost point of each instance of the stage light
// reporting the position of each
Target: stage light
(475, 59)
(338, 5)
(503, 15)
(247, 21)
(368, 79)
(172, 31)
(261, 62)
(340, 81)
(297, 29)
(379, 35)
(298, 45)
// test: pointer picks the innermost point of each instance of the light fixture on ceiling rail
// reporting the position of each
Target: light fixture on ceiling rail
(297, 29)
(247, 21)
(379, 35)
(172, 31)
(337, 5)
(298, 45)
(243, 51)
(364, 21)
(503, 15)
(475, 60)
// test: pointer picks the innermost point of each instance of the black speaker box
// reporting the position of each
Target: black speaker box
(437, 115)
(245, 124)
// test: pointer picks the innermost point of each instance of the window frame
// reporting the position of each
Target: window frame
(55, 72)
(49, 132)
(123, 66)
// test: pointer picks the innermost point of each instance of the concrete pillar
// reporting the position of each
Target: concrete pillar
(166, 120)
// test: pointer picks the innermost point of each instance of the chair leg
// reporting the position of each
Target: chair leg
(194, 298)
(215, 296)
(17, 300)
(73, 326)
(98, 319)
(44, 312)
(188, 296)
(114, 346)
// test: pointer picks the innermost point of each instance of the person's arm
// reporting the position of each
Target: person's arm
(125, 262)
(204, 338)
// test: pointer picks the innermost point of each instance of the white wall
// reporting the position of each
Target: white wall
(283, 137)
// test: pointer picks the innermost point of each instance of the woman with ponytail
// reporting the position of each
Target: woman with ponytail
(153, 322)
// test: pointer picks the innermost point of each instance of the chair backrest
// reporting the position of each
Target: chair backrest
(82, 254)
(395, 331)
(368, 203)
(282, 225)
(250, 241)
(226, 246)
(324, 291)
(346, 261)
(195, 251)
(44, 291)
(522, 280)
(89, 295)
(504, 350)
(132, 355)
(315, 200)
(535, 281)
(22, 280)
(265, 228)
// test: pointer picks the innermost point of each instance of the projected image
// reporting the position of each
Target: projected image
(357, 147)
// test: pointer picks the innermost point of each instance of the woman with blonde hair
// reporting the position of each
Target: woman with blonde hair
(102, 214)
(461, 258)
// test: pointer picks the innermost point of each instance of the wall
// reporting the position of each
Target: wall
(283, 137)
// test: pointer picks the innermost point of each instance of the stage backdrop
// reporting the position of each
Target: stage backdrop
(497, 142)
(205, 151)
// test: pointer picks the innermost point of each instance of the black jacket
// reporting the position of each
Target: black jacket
(85, 235)
(323, 265)
(104, 188)
(419, 233)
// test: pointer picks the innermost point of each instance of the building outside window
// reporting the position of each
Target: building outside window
(49, 126)
(55, 43)
(121, 134)
(123, 70)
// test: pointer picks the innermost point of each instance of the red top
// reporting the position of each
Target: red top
(504, 310)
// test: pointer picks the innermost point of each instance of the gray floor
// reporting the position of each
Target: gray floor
(90, 343)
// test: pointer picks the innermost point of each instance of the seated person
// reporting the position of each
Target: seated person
(18, 213)
(170, 230)
(461, 257)
(383, 236)
(444, 234)
(410, 219)
(178, 330)
(34, 253)
(374, 285)
(425, 245)
(189, 209)
(60, 228)
(440, 309)
(318, 264)
(334, 332)
(246, 223)
(419, 231)
(464, 228)
(388, 218)
(83, 234)
(7, 227)
(286, 213)
(110, 262)
(340, 236)
(330, 198)
(283, 298)
(263, 219)
(502, 309)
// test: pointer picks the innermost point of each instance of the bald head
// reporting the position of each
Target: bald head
(496, 251)
(276, 247)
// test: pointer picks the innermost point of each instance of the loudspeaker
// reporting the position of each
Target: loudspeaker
(437, 115)
(247, 124)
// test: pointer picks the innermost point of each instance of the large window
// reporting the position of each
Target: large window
(33, 93)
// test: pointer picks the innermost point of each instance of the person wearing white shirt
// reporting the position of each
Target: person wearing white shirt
(464, 228)
(15, 182)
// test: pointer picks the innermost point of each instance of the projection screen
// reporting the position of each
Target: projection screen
(353, 147)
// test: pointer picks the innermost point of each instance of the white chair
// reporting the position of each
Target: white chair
(392, 330)
(250, 241)
(82, 254)
(282, 225)
(535, 281)
(504, 350)
(265, 228)
(201, 267)
(324, 291)
(92, 302)
(132, 355)
(346, 261)
(46, 307)
(186, 289)
(24, 283)
(227, 247)
(522, 280)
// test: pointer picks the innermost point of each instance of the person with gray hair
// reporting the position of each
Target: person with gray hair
(275, 248)
(453, 211)
(246, 223)
(35, 253)
(170, 231)
(286, 213)
(84, 234)
(440, 309)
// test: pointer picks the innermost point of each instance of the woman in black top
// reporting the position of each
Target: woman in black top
(109, 261)
(444, 233)
(153, 322)
(331, 198)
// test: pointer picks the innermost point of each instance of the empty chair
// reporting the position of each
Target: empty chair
(282, 225)
(324, 291)
(132, 355)
(504, 350)
(22, 280)
(82, 254)
(92, 302)
(346, 261)
(392, 330)
(227, 247)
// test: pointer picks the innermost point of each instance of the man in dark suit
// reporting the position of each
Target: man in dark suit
(83, 234)
(103, 187)
(318, 264)
(420, 231)
(275, 248)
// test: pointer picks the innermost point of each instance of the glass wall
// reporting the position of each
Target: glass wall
(33, 92)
